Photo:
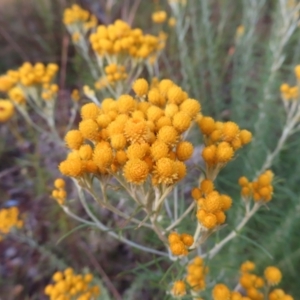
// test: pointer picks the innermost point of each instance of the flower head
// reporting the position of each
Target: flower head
(207, 125)
(140, 87)
(72, 167)
(85, 152)
(165, 171)
(181, 121)
(155, 97)
(6, 110)
(126, 104)
(159, 16)
(191, 107)
(230, 131)
(89, 111)
(136, 171)
(272, 275)
(221, 292)
(89, 129)
(74, 139)
(179, 288)
(167, 134)
(206, 186)
(136, 131)
(59, 183)
(103, 155)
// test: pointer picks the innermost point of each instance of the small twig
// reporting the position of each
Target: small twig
(188, 210)
(131, 15)
(98, 267)
(8, 171)
(211, 253)
(64, 60)
(15, 46)
(119, 237)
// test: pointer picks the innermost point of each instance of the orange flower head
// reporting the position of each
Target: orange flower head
(190, 106)
(136, 171)
(140, 87)
(74, 139)
(89, 111)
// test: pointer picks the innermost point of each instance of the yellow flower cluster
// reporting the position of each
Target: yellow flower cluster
(211, 204)
(159, 16)
(135, 138)
(289, 92)
(17, 83)
(50, 91)
(76, 14)
(75, 95)
(16, 95)
(179, 243)
(279, 294)
(252, 283)
(222, 139)
(59, 193)
(114, 73)
(196, 272)
(67, 285)
(178, 289)
(8, 80)
(101, 83)
(260, 190)
(37, 74)
(119, 39)
(9, 218)
(6, 110)
(222, 292)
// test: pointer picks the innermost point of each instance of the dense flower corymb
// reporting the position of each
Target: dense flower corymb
(221, 140)
(261, 189)
(211, 204)
(179, 243)
(133, 137)
(120, 39)
(59, 193)
(9, 218)
(69, 285)
(196, 272)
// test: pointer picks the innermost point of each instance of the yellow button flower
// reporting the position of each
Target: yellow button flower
(272, 275)
(74, 139)
(221, 292)
(178, 289)
(136, 171)
(6, 110)
(140, 87)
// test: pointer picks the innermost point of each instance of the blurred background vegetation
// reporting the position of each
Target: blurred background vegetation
(235, 74)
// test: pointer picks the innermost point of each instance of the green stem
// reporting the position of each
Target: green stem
(120, 238)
